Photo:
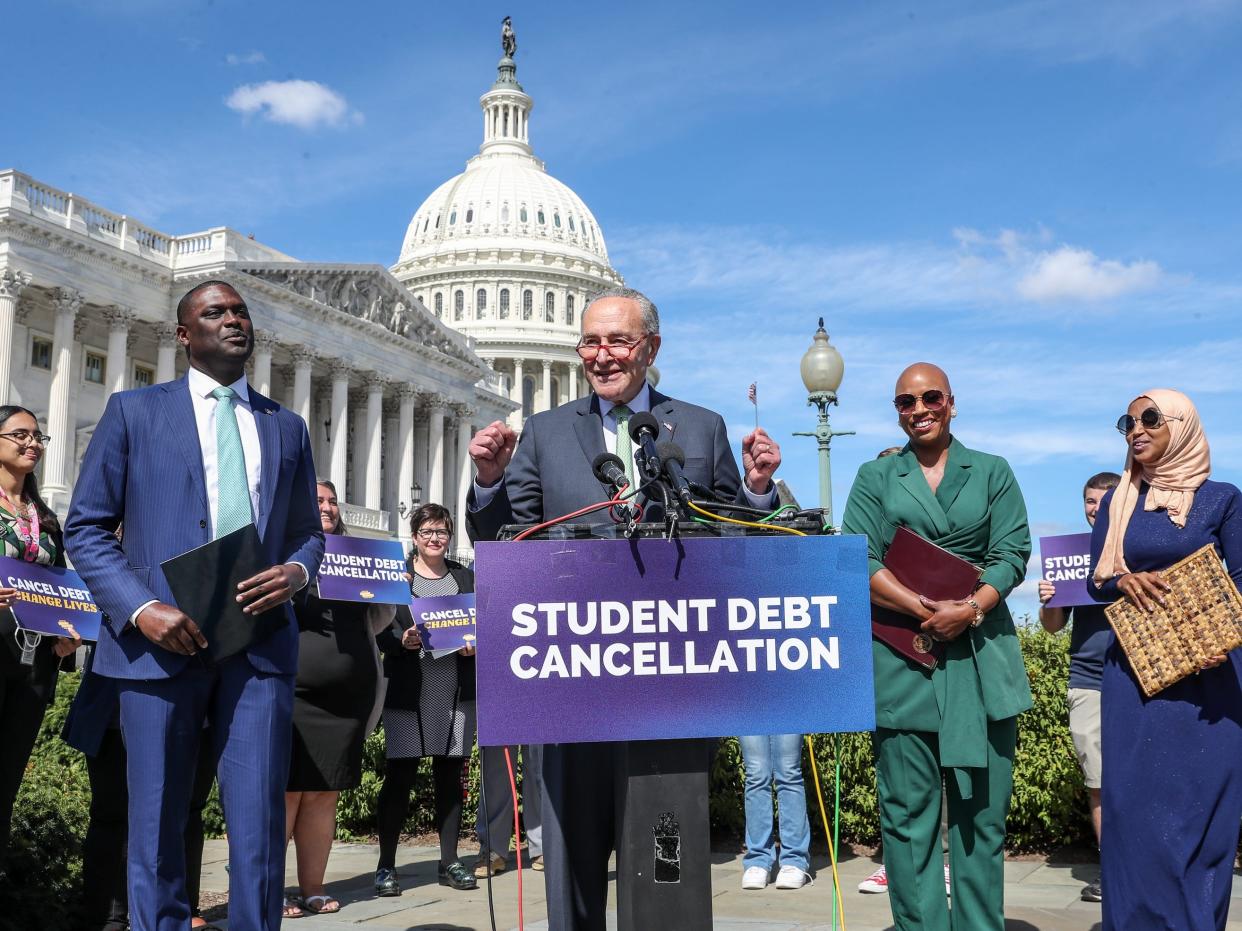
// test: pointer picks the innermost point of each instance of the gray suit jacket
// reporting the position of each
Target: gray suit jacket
(550, 473)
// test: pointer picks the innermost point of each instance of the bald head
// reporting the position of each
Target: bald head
(922, 376)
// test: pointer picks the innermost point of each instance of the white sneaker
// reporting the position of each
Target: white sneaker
(755, 877)
(876, 883)
(790, 877)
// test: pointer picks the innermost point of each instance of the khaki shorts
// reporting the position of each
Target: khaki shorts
(1084, 723)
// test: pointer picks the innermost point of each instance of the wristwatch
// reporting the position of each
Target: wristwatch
(978, 612)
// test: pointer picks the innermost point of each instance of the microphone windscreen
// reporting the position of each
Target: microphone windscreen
(641, 423)
(671, 452)
(602, 460)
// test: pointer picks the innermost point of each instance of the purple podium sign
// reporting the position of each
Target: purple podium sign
(1066, 562)
(587, 640)
(363, 569)
(50, 600)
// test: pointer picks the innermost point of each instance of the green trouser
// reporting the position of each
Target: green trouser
(910, 782)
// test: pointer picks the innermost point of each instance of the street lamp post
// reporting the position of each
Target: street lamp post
(822, 371)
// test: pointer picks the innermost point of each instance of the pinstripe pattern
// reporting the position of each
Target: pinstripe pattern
(144, 468)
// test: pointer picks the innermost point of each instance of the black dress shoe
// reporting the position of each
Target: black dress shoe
(457, 876)
(386, 882)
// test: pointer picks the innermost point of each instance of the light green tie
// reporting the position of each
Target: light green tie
(232, 487)
(625, 446)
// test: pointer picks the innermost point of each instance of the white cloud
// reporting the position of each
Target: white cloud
(245, 58)
(1080, 275)
(305, 104)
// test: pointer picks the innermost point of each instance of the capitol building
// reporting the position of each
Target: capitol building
(393, 369)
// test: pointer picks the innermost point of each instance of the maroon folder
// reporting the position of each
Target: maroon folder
(929, 570)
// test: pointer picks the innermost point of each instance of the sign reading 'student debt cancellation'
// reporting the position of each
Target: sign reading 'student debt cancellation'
(363, 569)
(1066, 562)
(590, 640)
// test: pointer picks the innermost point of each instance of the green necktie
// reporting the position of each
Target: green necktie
(232, 486)
(625, 446)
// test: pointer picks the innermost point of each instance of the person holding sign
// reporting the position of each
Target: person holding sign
(29, 531)
(1172, 786)
(333, 699)
(183, 464)
(955, 723)
(428, 709)
(1089, 640)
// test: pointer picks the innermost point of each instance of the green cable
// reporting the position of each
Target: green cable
(780, 510)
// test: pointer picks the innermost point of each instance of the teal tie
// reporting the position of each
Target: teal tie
(233, 488)
(625, 446)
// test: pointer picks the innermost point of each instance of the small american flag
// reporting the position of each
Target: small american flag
(752, 393)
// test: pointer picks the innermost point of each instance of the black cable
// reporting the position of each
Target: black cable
(739, 508)
(491, 906)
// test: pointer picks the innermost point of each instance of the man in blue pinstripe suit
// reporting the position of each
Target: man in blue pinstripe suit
(179, 464)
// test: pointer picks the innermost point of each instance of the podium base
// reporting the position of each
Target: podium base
(664, 849)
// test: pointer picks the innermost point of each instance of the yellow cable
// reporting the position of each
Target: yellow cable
(745, 523)
(823, 813)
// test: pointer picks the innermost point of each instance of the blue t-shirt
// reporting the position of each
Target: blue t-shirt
(1089, 640)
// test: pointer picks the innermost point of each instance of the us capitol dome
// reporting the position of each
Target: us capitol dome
(508, 255)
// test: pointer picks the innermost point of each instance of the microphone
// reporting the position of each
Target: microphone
(610, 470)
(673, 460)
(643, 430)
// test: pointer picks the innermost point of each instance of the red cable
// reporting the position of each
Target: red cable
(610, 503)
(517, 834)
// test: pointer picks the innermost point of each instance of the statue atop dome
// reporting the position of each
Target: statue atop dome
(508, 38)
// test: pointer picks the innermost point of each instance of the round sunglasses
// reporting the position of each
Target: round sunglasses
(933, 400)
(1150, 418)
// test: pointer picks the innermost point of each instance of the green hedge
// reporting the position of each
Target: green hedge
(1049, 801)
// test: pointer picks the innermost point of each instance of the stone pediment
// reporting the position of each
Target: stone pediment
(368, 292)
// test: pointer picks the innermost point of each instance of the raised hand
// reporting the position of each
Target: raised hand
(491, 449)
(761, 456)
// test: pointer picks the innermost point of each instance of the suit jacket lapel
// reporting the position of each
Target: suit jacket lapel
(910, 476)
(269, 444)
(664, 410)
(956, 475)
(183, 427)
(590, 429)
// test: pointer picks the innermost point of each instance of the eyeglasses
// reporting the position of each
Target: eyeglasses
(620, 349)
(1150, 418)
(26, 438)
(434, 534)
(933, 400)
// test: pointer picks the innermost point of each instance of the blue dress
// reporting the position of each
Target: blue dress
(1172, 779)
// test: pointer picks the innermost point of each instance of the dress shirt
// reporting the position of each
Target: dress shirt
(201, 386)
(640, 404)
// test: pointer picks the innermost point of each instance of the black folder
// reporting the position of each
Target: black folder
(204, 583)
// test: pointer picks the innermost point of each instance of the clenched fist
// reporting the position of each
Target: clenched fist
(491, 449)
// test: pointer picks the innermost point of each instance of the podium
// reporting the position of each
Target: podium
(663, 827)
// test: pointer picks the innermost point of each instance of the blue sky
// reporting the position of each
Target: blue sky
(1042, 197)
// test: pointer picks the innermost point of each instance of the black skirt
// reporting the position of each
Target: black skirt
(333, 696)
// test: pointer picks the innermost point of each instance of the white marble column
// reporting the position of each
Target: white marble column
(372, 491)
(303, 360)
(264, 346)
(12, 284)
(321, 433)
(465, 473)
(519, 392)
(119, 320)
(546, 401)
(572, 381)
(435, 448)
(390, 446)
(166, 357)
(339, 462)
(60, 425)
(405, 473)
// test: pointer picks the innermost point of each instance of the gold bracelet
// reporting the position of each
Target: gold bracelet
(978, 612)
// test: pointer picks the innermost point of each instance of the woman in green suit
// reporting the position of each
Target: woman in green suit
(955, 725)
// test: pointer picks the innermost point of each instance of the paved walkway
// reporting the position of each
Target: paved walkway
(1038, 897)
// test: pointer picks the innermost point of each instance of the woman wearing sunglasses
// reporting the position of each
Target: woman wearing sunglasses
(953, 728)
(1172, 791)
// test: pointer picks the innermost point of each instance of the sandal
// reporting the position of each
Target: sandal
(321, 904)
(292, 908)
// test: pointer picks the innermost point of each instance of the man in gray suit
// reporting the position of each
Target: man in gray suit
(549, 474)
